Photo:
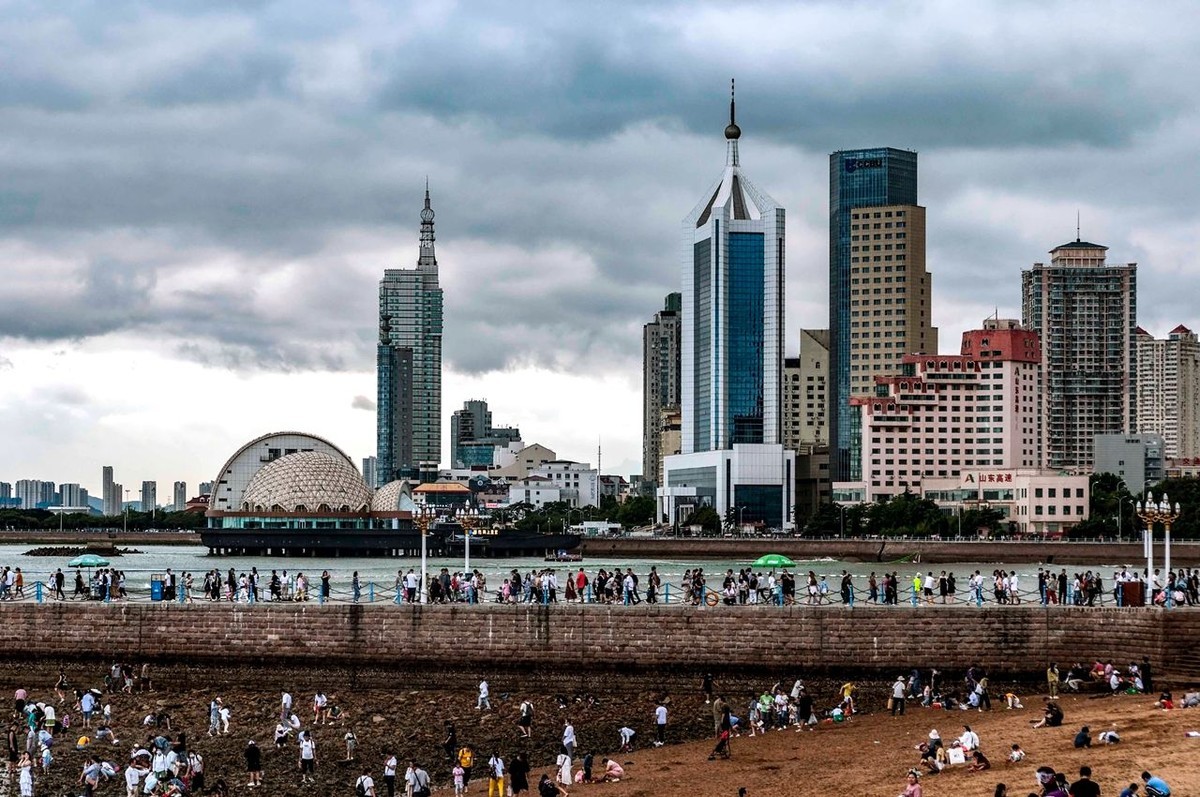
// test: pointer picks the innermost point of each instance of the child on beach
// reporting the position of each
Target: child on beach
(459, 785)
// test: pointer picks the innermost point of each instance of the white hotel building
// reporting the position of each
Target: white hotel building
(964, 430)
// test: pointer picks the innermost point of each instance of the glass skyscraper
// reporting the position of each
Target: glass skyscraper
(733, 313)
(409, 365)
(860, 178)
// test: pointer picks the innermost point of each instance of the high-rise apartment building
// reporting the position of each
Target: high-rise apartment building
(110, 500)
(36, 493)
(72, 495)
(205, 488)
(149, 499)
(180, 496)
(473, 438)
(5, 491)
(370, 470)
(1085, 312)
(879, 305)
(660, 386)
(409, 364)
(806, 393)
(1168, 389)
(731, 357)
(119, 498)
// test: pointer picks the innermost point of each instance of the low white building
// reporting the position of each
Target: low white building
(756, 480)
(1033, 502)
(578, 482)
(537, 491)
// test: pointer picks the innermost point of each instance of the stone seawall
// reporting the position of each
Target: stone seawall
(1013, 640)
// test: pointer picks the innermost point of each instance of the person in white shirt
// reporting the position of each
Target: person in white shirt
(1014, 589)
(389, 773)
(308, 757)
(484, 701)
(365, 785)
(568, 738)
(626, 733)
(133, 779)
(285, 706)
(660, 725)
(496, 775)
(969, 739)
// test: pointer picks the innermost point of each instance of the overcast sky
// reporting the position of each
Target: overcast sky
(198, 198)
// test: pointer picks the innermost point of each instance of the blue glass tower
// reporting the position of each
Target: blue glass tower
(733, 313)
(859, 178)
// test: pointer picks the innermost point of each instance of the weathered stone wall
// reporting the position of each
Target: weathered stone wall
(1013, 640)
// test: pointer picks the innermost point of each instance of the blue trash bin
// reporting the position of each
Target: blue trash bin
(156, 587)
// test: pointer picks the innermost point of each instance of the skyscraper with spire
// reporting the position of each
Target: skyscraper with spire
(409, 364)
(731, 358)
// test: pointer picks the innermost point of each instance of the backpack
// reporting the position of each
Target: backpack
(360, 788)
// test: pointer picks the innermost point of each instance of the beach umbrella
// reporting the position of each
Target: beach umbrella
(88, 560)
(773, 560)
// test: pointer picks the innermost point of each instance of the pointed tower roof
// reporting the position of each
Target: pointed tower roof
(427, 259)
(733, 190)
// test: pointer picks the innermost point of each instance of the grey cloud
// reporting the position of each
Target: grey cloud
(564, 146)
(5, 364)
(362, 403)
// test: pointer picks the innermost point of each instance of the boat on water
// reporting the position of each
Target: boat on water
(564, 556)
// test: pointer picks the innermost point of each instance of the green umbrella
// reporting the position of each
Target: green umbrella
(88, 560)
(773, 560)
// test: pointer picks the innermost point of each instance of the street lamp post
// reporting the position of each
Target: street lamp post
(468, 520)
(842, 527)
(741, 520)
(1120, 517)
(1166, 514)
(421, 520)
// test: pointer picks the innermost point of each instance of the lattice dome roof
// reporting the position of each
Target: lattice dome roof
(307, 481)
(393, 497)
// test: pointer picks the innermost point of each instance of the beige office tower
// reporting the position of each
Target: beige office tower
(890, 293)
(1168, 389)
(805, 393)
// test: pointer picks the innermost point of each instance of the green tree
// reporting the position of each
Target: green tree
(637, 511)
(707, 518)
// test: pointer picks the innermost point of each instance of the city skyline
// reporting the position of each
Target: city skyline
(237, 262)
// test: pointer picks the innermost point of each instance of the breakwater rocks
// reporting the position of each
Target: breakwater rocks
(69, 551)
(1014, 640)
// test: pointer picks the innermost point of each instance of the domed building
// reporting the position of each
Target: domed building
(291, 493)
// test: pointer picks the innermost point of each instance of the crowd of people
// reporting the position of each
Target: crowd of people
(617, 585)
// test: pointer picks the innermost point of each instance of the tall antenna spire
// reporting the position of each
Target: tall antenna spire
(732, 131)
(427, 257)
(1077, 238)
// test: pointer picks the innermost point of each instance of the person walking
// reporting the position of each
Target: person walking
(484, 700)
(1052, 680)
(568, 738)
(899, 689)
(496, 775)
(308, 757)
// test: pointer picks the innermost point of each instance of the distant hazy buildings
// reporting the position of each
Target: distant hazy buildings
(474, 441)
(1138, 459)
(409, 364)
(806, 393)
(879, 290)
(1085, 312)
(180, 497)
(370, 471)
(1168, 390)
(72, 495)
(732, 356)
(660, 388)
(110, 498)
(35, 493)
(149, 498)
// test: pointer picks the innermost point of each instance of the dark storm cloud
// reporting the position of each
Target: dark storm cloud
(245, 148)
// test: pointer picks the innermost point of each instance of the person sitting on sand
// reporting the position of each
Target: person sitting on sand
(979, 761)
(1165, 701)
(1083, 738)
(548, 788)
(1016, 755)
(1108, 737)
(1052, 716)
